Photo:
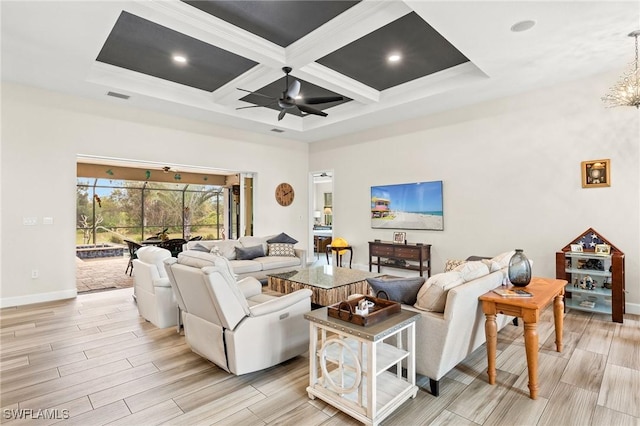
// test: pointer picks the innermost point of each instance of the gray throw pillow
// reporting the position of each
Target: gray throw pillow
(201, 247)
(248, 253)
(282, 238)
(399, 289)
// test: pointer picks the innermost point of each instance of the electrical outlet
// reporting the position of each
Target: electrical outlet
(34, 274)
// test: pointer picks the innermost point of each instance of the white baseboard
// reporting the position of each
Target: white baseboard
(632, 308)
(37, 298)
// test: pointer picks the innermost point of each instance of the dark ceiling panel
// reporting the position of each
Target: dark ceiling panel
(146, 47)
(307, 90)
(424, 51)
(280, 22)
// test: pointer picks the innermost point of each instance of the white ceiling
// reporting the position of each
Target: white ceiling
(53, 45)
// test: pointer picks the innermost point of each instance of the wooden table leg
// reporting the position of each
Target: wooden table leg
(491, 332)
(531, 347)
(558, 317)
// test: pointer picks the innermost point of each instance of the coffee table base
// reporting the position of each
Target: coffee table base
(320, 296)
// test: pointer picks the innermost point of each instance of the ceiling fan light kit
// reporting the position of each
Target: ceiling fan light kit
(290, 99)
(627, 91)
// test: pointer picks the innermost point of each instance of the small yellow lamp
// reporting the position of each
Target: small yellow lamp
(339, 242)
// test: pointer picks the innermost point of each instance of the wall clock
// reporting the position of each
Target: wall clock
(284, 194)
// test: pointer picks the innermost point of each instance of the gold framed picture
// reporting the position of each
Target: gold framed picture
(596, 173)
(603, 249)
(576, 248)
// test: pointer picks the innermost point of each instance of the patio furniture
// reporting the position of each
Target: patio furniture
(133, 247)
(174, 245)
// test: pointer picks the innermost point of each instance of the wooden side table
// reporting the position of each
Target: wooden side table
(330, 248)
(544, 290)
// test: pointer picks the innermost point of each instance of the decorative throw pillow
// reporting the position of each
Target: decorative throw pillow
(282, 238)
(225, 248)
(503, 258)
(471, 270)
(399, 289)
(492, 265)
(281, 249)
(432, 296)
(201, 247)
(452, 263)
(249, 253)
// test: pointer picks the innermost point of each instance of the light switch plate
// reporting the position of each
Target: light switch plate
(47, 220)
(29, 221)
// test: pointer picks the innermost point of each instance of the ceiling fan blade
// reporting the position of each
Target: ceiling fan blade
(257, 106)
(294, 89)
(256, 93)
(321, 100)
(309, 110)
(281, 115)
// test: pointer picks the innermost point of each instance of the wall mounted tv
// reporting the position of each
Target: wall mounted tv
(407, 206)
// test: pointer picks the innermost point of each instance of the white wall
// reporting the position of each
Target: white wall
(42, 134)
(511, 172)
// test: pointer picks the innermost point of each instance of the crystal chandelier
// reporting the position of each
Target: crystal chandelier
(627, 91)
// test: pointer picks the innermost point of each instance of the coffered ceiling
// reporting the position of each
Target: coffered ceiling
(450, 54)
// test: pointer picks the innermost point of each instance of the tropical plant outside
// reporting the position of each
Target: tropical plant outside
(110, 211)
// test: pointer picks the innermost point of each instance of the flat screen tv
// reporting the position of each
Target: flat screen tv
(408, 206)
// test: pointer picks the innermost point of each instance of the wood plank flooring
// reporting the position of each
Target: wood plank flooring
(94, 360)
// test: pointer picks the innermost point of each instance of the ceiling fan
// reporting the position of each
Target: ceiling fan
(289, 99)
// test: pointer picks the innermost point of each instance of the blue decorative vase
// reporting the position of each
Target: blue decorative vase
(519, 269)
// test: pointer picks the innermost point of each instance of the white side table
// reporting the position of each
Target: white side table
(346, 361)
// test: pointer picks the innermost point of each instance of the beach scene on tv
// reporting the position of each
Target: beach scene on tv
(408, 206)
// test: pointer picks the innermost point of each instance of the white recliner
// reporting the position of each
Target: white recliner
(156, 302)
(235, 325)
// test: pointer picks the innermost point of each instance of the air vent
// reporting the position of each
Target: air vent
(118, 95)
(277, 130)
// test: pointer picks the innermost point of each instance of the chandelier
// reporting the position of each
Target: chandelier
(627, 91)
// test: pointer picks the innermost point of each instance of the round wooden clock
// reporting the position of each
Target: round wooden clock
(284, 194)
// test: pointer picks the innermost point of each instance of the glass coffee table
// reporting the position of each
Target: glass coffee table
(329, 284)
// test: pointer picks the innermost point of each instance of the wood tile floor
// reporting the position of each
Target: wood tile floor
(94, 359)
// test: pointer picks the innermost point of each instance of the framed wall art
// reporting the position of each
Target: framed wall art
(596, 173)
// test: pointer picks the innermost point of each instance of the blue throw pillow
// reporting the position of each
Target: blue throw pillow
(282, 238)
(399, 289)
(248, 253)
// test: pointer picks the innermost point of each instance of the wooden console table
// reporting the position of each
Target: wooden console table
(392, 255)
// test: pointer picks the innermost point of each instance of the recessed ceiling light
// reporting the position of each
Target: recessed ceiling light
(394, 57)
(521, 26)
(180, 59)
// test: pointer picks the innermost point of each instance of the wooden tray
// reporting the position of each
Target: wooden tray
(381, 310)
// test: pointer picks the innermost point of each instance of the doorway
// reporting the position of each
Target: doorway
(120, 200)
(321, 211)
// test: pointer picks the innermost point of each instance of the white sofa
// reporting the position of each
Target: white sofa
(155, 298)
(445, 337)
(235, 325)
(257, 267)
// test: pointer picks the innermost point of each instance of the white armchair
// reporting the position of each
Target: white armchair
(156, 302)
(235, 325)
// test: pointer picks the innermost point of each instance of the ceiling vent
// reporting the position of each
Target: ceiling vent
(277, 130)
(118, 95)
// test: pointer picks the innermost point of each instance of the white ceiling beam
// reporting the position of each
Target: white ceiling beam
(354, 23)
(339, 83)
